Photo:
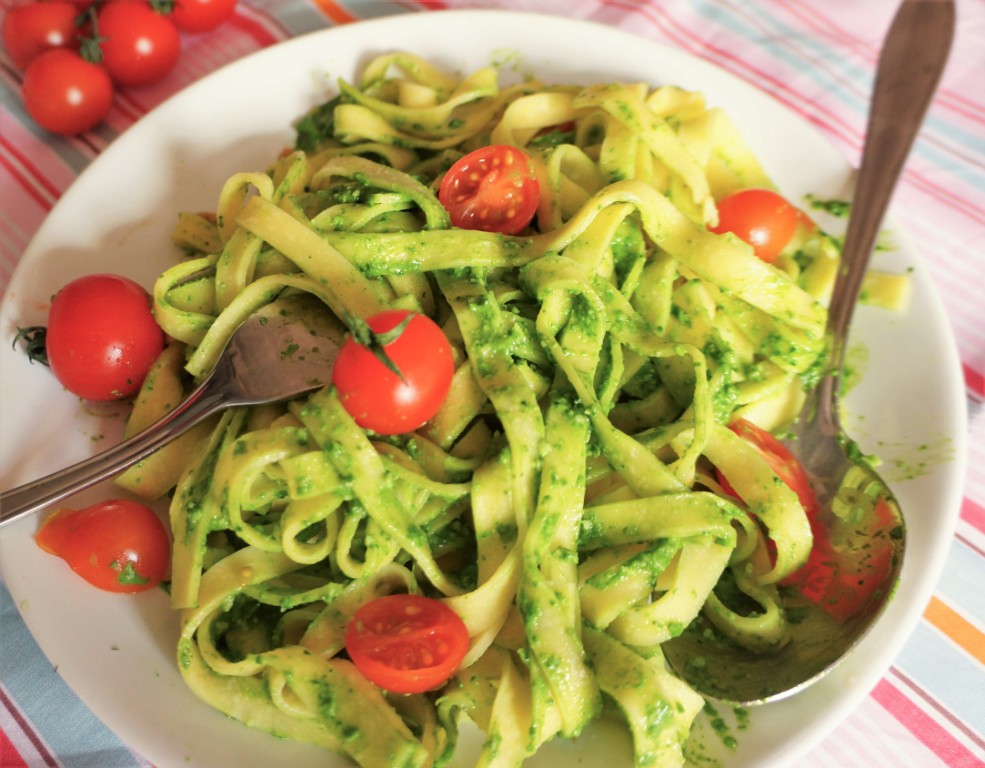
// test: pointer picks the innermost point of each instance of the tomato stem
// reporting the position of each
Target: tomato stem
(376, 342)
(90, 45)
(34, 338)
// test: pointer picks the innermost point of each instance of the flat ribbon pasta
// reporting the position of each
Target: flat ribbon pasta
(565, 500)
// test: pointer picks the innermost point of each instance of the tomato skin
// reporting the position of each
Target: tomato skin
(780, 460)
(406, 643)
(375, 396)
(141, 46)
(814, 577)
(841, 574)
(860, 570)
(761, 218)
(30, 29)
(197, 16)
(493, 189)
(66, 94)
(117, 545)
(102, 338)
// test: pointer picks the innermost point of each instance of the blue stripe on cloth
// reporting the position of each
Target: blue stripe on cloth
(62, 721)
(961, 582)
(298, 18)
(849, 80)
(954, 679)
(793, 47)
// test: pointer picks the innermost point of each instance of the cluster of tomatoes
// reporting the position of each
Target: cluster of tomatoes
(74, 52)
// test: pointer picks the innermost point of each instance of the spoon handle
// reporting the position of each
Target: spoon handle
(29, 498)
(909, 69)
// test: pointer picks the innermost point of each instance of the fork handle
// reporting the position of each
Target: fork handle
(30, 498)
(909, 69)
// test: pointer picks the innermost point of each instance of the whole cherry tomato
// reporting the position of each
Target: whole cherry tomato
(406, 643)
(140, 46)
(30, 29)
(493, 189)
(118, 545)
(102, 338)
(379, 398)
(66, 94)
(197, 16)
(761, 218)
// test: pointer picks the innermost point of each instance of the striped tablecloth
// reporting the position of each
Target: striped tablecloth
(817, 57)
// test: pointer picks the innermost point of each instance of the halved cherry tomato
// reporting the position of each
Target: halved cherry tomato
(30, 29)
(761, 218)
(102, 338)
(843, 569)
(117, 545)
(66, 94)
(814, 577)
(781, 461)
(406, 643)
(140, 46)
(860, 563)
(381, 400)
(196, 16)
(493, 189)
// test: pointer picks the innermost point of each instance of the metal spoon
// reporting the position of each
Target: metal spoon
(274, 355)
(858, 509)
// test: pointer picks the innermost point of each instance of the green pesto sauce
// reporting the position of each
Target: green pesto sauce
(838, 208)
(919, 461)
(856, 363)
(127, 574)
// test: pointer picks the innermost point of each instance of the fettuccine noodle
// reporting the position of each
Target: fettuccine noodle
(564, 500)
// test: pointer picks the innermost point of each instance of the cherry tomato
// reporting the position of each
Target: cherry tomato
(141, 46)
(197, 16)
(118, 545)
(842, 571)
(102, 338)
(406, 643)
(493, 189)
(814, 577)
(781, 461)
(861, 568)
(379, 399)
(761, 217)
(66, 94)
(30, 29)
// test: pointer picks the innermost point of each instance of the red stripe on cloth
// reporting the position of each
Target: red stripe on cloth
(945, 195)
(25, 727)
(930, 733)
(25, 183)
(955, 100)
(29, 165)
(130, 108)
(334, 12)
(973, 514)
(806, 13)
(975, 380)
(9, 756)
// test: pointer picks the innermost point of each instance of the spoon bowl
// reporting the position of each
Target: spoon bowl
(858, 521)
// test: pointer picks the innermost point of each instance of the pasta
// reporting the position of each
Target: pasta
(564, 501)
